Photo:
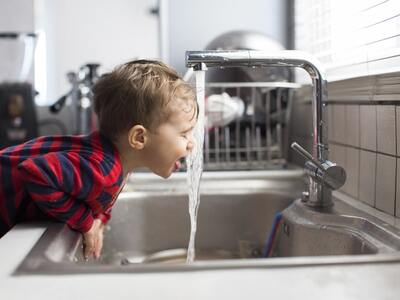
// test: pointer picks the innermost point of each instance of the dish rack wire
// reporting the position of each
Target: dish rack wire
(257, 140)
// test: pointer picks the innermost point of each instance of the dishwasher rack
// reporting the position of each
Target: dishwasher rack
(258, 139)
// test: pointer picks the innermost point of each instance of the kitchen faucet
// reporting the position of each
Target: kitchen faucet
(81, 96)
(324, 176)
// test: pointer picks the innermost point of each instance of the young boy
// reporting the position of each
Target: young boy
(146, 114)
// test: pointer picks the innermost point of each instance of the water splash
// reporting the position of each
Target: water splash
(194, 163)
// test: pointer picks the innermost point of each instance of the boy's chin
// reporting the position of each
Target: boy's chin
(164, 175)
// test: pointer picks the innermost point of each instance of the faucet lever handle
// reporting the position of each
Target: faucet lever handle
(307, 155)
(325, 172)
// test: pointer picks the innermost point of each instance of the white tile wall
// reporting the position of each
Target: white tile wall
(339, 124)
(367, 127)
(386, 129)
(353, 125)
(352, 170)
(367, 177)
(385, 183)
(364, 138)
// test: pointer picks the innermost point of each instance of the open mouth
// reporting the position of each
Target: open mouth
(178, 164)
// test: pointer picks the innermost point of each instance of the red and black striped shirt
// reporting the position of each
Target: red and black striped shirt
(73, 179)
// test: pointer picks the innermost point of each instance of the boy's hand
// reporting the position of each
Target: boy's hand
(93, 240)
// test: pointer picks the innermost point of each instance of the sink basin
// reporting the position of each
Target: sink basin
(236, 224)
(149, 230)
(340, 230)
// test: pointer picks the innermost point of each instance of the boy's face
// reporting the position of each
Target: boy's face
(172, 140)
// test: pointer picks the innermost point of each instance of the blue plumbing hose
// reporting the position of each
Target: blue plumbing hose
(272, 235)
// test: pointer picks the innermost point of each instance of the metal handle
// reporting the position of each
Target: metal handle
(324, 172)
(307, 155)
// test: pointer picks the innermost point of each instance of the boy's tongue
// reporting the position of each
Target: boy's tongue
(177, 165)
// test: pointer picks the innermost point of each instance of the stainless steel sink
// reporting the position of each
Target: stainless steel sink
(149, 230)
(236, 224)
(340, 230)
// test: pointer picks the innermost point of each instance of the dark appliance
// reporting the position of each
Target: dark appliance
(18, 120)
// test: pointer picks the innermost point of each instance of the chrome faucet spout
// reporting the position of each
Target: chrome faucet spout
(319, 193)
(288, 58)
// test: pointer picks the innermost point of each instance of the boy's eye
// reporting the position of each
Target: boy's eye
(187, 134)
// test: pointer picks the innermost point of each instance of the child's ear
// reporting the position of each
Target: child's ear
(137, 137)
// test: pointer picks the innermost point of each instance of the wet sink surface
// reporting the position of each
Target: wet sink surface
(235, 223)
(149, 231)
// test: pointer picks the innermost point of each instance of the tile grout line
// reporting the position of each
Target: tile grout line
(359, 153)
(376, 156)
(363, 149)
(395, 174)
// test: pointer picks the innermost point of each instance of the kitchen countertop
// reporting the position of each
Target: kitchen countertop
(362, 281)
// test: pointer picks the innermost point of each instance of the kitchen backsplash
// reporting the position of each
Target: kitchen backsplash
(364, 136)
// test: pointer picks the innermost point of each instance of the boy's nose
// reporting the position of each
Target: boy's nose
(190, 145)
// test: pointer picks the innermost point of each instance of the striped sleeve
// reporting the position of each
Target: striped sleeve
(62, 185)
(104, 216)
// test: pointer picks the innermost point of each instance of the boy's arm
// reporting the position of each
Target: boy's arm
(56, 181)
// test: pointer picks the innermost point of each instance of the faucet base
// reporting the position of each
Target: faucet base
(319, 194)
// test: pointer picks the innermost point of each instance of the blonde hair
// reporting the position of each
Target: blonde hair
(138, 93)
